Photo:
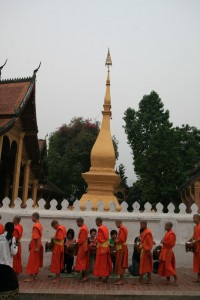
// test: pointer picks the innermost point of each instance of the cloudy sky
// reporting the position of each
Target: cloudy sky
(154, 44)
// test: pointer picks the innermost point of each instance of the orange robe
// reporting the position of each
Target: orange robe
(1, 229)
(103, 264)
(196, 260)
(121, 263)
(82, 255)
(167, 265)
(17, 259)
(146, 262)
(57, 259)
(35, 260)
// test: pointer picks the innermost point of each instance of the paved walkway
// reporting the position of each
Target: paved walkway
(72, 288)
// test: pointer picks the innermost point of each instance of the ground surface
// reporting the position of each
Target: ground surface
(72, 288)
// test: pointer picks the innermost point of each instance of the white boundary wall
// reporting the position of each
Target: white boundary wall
(183, 225)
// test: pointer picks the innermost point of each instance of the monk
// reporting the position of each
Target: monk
(57, 259)
(195, 240)
(146, 261)
(121, 263)
(35, 261)
(103, 264)
(82, 254)
(17, 259)
(167, 265)
(1, 227)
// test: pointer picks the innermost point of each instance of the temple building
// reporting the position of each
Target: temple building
(102, 179)
(190, 190)
(20, 156)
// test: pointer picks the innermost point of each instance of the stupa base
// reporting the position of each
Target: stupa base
(95, 199)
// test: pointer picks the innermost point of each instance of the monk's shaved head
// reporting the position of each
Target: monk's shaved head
(36, 215)
(16, 219)
(99, 221)
(196, 219)
(118, 223)
(54, 222)
(80, 222)
(143, 224)
(168, 226)
(197, 216)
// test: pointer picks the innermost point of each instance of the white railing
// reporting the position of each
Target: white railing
(76, 206)
(182, 221)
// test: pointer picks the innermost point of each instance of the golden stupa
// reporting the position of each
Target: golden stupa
(101, 179)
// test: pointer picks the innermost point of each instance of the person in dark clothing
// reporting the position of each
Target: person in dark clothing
(92, 246)
(113, 237)
(134, 267)
(69, 250)
(8, 248)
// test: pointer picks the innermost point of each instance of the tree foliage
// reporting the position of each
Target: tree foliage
(69, 155)
(163, 155)
(123, 186)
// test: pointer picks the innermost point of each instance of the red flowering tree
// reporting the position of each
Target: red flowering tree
(69, 155)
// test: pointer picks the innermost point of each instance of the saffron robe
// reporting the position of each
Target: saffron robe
(17, 259)
(167, 265)
(82, 254)
(121, 263)
(196, 260)
(103, 264)
(35, 260)
(146, 262)
(57, 258)
(1, 229)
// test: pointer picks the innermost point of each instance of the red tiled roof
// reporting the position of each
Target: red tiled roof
(3, 122)
(11, 96)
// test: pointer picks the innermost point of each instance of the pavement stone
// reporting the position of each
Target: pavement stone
(72, 288)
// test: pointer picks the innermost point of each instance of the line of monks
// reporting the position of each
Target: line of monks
(103, 263)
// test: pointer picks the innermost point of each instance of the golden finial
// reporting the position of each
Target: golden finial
(108, 60)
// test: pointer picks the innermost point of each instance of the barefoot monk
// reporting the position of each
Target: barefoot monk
(82, 255)
(35, 261)
(146, 261)
(121, 263)
(195, 241)
(103, 264)
(17, 259)
(167, 265)
(57, 259)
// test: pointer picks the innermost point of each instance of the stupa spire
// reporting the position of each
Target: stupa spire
(108, 60)
(107, 99)
(101, 178)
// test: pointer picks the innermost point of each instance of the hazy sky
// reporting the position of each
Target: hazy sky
(154, 44)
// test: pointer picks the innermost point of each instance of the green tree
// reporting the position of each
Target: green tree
(135, 195)
(123, 186)
(69, 155)
(189, 150)
(155, 146)
(122, 173)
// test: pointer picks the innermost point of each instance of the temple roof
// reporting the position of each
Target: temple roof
(17, 101)
(14, 95)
